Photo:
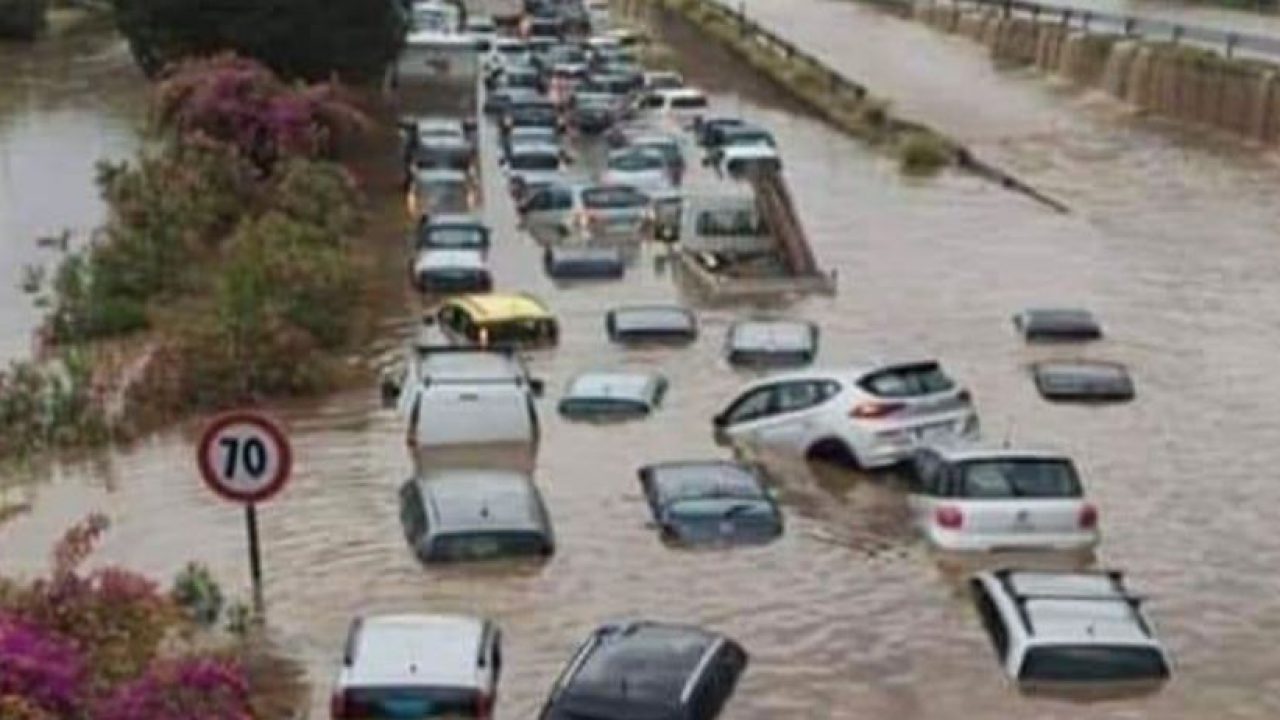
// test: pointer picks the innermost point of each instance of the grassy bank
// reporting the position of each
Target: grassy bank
(844, 104)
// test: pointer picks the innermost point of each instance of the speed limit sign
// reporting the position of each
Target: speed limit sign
(244, 457)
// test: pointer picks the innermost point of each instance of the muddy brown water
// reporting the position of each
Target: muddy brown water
(847, 616)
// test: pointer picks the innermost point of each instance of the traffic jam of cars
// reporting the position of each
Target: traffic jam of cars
(564, 83)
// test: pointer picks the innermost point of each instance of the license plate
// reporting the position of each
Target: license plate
(934, 432)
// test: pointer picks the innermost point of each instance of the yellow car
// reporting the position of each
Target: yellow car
(496, 319)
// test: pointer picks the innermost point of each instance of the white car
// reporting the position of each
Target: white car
(438, 270)
(452, 396)
(971, 498)
(506, 52)
(421, 666)
(641, 168)
(868, 417)
(680, 107)
(1060, 629)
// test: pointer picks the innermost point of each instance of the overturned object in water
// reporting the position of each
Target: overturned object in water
(1083, 381)
(1057, 324)
(578, 263)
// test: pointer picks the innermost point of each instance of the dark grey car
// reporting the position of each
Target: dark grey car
(647, 671)
(710, 503)
(458, 515)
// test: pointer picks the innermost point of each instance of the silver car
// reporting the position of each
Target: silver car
(589, 211)
(475, 514)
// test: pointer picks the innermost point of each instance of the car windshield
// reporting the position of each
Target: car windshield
(594, 102)
(454, 237)
(749, 137)
(729, 222)
(521, 331)
(719, 508)
(613, 198)
(636, 162)
(410, 703)
(487, 545)
(602, 407)
(1020, 478)
(1074, 663)
(535, 161)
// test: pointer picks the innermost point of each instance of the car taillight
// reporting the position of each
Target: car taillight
(338, 706)
(484, 706)
(875, 409)
(949, 517)
(1088, 517)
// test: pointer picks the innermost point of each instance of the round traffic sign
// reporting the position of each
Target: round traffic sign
(244, 457)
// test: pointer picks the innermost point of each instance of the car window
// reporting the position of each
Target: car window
(1020, 478)
(728, 222)
(754, 405)
(908, 381)
(535, 161)
(649, 102)
(991, 621)
(410, 703)
(412, 516)
(487, 545)
(612, 197)
(636, 161)
(446, 237)
(924, 471)
(1093, 662)
(688, 102)
(795, 396)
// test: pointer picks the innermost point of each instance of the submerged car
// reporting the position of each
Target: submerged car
(451, 271)
(1083, 381)
(710, 502)
(1057, 324)
(497, 320)
(613, 395)
(985, 499)
(453, 515)
(647, 671)
(771, 343)
(452, 232)
(589, 211)
(419, 666)
(651, 323)
(644, 169)
(869, 416)
(439, 191)
(1064, 630)
(583, 263)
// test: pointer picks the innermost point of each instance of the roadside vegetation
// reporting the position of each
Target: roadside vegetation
(110, 644)
(225, 274)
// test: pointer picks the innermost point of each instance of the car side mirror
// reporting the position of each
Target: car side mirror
(428, 320)
(538, 386)
(721, 420)
(392, 385)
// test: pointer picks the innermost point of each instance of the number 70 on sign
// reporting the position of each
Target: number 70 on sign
(244, 457)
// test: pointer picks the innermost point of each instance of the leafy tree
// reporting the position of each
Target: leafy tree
(310, 39)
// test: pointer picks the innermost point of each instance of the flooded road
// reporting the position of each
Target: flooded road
(64, 105)
(847, 616)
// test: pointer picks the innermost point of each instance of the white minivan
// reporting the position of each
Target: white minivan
(454, 397)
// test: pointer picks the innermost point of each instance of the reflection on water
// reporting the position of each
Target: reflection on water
(64, 105)
(847, 615)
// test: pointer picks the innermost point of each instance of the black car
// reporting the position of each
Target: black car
(708, 131)
(531, 113)
(711, 502)
(647, 671)
(592, 113)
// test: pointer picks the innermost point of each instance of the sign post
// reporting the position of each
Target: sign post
(246, 458)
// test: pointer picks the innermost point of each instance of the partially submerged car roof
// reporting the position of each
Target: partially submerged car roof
(612, 392)
(771, 340)
(1083, 381)
(569, 263)
(651, 321)
(1057, 324)
(702, 477)
(481, 499)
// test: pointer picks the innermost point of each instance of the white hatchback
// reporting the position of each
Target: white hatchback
(968, 498)
(868, 417)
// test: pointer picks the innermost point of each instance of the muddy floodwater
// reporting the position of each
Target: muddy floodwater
(1172, 243)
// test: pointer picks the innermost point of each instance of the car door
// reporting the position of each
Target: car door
(791, 425)
(926, 471)
(548, 208)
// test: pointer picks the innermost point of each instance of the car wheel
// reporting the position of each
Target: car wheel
(835, 452)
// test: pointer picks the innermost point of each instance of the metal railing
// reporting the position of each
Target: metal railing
(1229, 42)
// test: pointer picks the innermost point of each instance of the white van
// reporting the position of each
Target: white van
(463, 396)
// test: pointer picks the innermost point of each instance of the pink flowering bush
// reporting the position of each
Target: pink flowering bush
(82, 645)
(240, 102)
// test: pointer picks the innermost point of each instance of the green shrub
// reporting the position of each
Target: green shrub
(921, 153)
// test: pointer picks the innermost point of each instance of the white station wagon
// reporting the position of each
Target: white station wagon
(970, 498)
(1056, 629)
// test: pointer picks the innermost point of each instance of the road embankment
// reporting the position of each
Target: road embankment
(1186, 83)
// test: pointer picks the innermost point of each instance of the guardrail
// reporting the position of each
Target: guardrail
(1230, 42)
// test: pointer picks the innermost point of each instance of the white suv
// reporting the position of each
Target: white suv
(419, 666)
(867, 417)
(1064, 629)
(971, 498)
